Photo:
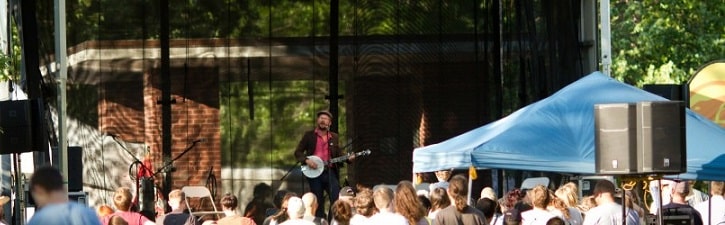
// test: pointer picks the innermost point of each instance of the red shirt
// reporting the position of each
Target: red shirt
(132, 218)
(322, 149)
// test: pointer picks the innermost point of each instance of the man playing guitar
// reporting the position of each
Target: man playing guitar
(323, 143)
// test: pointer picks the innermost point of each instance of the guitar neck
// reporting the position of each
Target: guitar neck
(343, 158)
(339, 159)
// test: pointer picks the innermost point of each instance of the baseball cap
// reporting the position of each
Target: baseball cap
(324, 112)
(347, 192)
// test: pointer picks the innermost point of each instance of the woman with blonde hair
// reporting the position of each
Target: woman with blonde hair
(570, 214)
(364, 206)
(540, 200)
(407, 204)
(568, 194)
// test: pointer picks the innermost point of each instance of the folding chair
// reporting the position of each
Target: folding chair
(201, 193)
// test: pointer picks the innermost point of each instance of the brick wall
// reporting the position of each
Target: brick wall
(195, 117)
(121, 110)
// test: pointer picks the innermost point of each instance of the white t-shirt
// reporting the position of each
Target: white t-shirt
(297, 222)
(536, 217)
(388, 218)
(608, 214)
(718, 210)
(358, 219)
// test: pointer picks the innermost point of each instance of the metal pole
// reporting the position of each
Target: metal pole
(165, 94)
(334, 42)
(62, 76)
(606, 37)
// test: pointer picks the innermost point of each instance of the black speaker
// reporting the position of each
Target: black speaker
(661, 138)
(615, 138)
(15, 127)
(39, 120)
(75, 167)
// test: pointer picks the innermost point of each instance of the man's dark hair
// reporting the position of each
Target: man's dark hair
(487, 207)
(604, 186)
(48, 178)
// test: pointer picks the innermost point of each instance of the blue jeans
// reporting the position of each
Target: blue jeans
(326, 182)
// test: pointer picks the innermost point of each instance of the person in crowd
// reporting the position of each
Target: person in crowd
(716, 203)
(489, 209)
(256, 208)
(383, 199)
(634, 212)
(587, 203)
(459, 212)
(364, 206)
(295, 212)
(231, 216)
(341, 213)
(488, 192)
(540, 200)
(442, 176)
(281, 214)
(51, 201)
(438, 200)
(179, 214)
(512, 217)
(425, 203)
(696, 196)
(568, 195)
(116, 220)
(657, 186)
(406, 203)
(104, 211)
(571, 215)
(310, 201)
(347, 194)
(607, 211)
(277, 202)
(679, 205)
(509, 200)
(122, 200)
(323, 143)
(556, 221)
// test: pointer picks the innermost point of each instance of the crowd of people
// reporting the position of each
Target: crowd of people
(445, 203)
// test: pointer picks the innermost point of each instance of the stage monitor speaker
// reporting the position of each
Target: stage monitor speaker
(15, 127)
(661, 138)
(615, 138)
(75, 167)
(674, 92)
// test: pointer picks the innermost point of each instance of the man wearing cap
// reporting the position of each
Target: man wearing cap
(323, 143)
(679, 206)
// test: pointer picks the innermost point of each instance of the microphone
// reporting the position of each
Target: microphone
(199, 140)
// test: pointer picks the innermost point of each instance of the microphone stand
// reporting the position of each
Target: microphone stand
(136, 161)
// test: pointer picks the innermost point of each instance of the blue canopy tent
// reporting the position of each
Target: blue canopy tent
(556, 134)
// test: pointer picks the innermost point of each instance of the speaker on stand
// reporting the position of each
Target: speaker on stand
(642, 138)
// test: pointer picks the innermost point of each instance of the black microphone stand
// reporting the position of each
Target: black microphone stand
(160, 170)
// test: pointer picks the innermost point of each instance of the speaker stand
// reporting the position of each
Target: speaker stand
(19, 184)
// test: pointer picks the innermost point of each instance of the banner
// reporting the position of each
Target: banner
(707, 92)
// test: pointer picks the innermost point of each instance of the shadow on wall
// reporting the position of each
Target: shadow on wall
(105, 162)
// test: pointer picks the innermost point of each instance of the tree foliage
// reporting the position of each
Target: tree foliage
(665, 41)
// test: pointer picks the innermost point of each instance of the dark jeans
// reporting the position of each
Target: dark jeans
(326, 182)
